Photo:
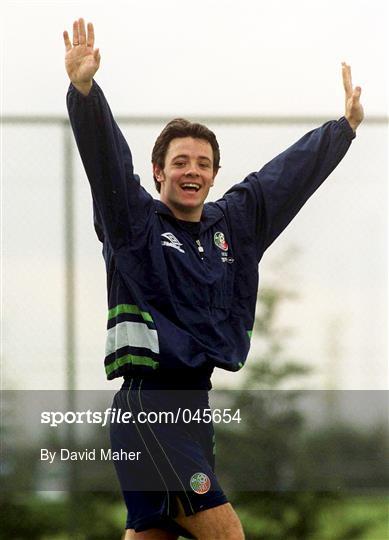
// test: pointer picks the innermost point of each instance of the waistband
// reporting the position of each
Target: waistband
(184, 379)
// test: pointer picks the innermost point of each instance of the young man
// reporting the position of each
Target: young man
(182, 286)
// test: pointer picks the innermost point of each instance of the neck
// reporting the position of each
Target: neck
(183, 212)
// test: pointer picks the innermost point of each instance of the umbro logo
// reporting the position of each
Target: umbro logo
(171, 241)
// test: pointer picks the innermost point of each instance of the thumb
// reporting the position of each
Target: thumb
(96, 54)
(357, 92)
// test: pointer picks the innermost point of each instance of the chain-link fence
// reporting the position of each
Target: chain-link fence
(54, 299)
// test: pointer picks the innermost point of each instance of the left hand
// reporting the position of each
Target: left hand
(82, 60)
(353, 108)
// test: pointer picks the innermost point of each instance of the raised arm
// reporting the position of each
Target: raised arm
(121, 205)
(267, 200)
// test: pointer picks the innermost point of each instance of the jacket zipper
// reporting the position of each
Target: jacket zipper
(200, 249)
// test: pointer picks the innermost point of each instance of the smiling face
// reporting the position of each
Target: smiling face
(187, 177)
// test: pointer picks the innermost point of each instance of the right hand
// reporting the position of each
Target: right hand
(81, 59)
(353, 108)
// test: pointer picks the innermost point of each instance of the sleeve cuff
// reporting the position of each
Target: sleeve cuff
(92, 91)
(346, 128)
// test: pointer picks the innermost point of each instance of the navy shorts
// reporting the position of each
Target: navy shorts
(175, 454)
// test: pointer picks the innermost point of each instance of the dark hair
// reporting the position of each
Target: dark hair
(178, 128)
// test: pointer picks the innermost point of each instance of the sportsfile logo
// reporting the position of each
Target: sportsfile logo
(171, 241)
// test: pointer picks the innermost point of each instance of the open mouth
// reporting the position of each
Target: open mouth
(190, 186)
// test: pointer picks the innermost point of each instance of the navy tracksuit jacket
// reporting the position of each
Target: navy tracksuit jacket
(171, 306)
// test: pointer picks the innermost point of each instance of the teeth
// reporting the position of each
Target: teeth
(196, 186)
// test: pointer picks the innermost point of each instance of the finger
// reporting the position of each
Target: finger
(91, 36)
(357, 93)
(66, 39)
(97, 56)
(346, 75)
(81, 27)
(76, 36)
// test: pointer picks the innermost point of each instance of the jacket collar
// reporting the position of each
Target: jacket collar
(211, 213)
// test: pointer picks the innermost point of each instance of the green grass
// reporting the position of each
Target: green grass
(346, 518)
(364, 517)
(368, 512)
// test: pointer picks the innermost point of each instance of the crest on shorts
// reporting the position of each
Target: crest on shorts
(220, 241)
(200, 483)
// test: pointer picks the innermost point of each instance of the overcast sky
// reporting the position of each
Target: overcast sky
(204, 56)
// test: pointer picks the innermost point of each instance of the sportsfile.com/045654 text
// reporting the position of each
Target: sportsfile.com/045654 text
(113, 415)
